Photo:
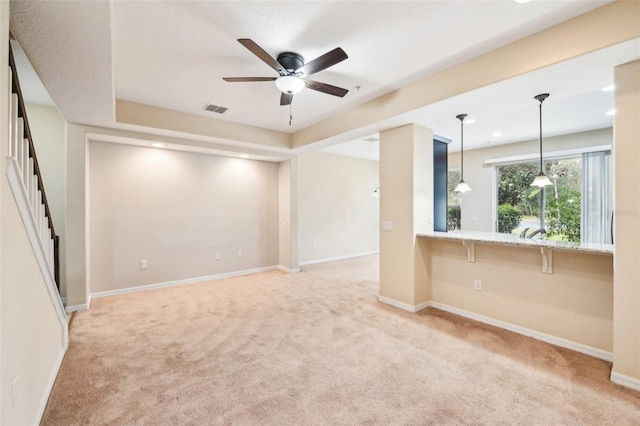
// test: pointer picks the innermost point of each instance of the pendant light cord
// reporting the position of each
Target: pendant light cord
(540, 98)
(462, 148)
(541, 135)
(461, 117)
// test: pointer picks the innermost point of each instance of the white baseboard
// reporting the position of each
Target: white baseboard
(332, 259)
(557, 341)
(180, 282)
(422, 306)
(400, 305)
(288, 270)
(49, 386)
(74, 308)
(626, 381)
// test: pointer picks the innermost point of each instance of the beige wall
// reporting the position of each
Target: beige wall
(406, 201)
(575, 302)
(162, 118)
(49, 138)
(478, 206)
(288, 215)
(627, 227)
(31, 337)
(337, 210)
(177, 210)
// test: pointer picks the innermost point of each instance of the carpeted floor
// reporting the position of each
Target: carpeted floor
(316, 348)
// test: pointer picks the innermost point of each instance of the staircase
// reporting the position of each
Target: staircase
(25, 180)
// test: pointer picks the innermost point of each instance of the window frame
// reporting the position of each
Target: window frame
(550, 156)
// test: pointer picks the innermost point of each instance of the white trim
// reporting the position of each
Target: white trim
(404, 306)
(626, 381)
(49, 386)
(422, 306)
(288, 270)
(75, 308)
(180, 282)
(547, 155)
(81, 307)
(332, 259)
(558, 341)
(21, 198)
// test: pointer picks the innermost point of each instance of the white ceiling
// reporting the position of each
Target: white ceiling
(174, 55)
(576, 103)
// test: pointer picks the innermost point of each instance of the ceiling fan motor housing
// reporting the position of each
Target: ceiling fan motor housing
(290, 61)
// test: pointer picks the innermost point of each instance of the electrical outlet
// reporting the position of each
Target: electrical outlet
(15, 393)
(477, 284)
(239, 254)
(314, 245)
(218, 256)
(143, 264)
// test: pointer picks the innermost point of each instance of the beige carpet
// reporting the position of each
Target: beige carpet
(316, 348)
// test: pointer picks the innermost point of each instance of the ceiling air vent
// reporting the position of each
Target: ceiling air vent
(214, 108)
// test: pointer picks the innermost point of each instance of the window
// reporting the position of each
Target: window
(577, 207)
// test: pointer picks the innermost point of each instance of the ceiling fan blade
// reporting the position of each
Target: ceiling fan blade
(323, 62)
(245, 79)
(260, 53)
(326, 88)
(286, 98)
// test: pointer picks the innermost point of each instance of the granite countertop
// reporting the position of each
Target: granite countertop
(515, 240)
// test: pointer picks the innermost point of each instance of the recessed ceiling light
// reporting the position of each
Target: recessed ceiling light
(496, 134)
(522, 1)
(611, 112)
(470, 121)
(157, 145)
(608, 88)
(244, 155)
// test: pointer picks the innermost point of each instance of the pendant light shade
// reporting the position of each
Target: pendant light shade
(462, 186)
(541, 180)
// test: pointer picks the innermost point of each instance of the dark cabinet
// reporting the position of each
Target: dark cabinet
(440, 170)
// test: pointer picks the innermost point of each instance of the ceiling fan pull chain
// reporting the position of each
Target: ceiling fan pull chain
(290, 114)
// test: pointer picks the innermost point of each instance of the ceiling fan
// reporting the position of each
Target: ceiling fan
(293, 71)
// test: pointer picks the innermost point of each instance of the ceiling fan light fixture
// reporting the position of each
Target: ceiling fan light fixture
(290, 84)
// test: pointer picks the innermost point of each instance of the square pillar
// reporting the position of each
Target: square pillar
(288, 215)
(406, 208)
(626, 275)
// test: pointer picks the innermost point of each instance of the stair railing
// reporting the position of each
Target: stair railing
(23, 155)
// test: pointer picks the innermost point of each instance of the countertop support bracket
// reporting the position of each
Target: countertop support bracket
(471, 250)
(547, 260)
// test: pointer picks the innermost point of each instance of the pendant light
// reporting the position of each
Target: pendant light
(541, 180)
(462, 186)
